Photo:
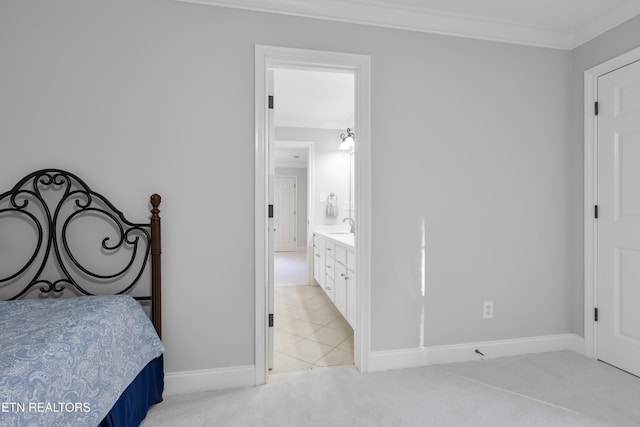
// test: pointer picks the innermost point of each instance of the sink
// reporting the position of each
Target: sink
(339, 232)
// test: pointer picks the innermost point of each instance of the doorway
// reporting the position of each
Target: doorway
(268, 59)
(310, 105)
(612, 230)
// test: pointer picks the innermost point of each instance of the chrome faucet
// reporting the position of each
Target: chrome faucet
(352, 225)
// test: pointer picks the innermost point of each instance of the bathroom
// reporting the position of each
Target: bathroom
(313, 193)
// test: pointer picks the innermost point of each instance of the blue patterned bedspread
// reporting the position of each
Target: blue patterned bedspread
(65, 362)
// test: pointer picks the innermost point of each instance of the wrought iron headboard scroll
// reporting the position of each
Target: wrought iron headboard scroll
(50, 200)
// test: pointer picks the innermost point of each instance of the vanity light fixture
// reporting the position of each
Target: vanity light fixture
(348, 140)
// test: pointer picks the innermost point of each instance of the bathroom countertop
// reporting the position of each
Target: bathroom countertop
(341, 237)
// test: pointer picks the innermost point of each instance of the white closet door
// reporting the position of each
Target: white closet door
(618, 223)
(285, 217)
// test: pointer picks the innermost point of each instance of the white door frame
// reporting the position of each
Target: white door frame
(590, 192)
(267, 57)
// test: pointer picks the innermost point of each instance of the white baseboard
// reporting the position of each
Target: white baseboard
(209, 379)
(244, 376)
(408, 358)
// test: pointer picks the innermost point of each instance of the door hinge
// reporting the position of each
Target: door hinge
(595, 108)
(595, 211)
(271, 102)
(595, 314)
(271, 320)
(270, 211)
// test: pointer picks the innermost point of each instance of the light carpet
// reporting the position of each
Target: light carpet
(549, 389)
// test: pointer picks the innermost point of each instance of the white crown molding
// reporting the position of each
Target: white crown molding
(371, 12)
(404, 18)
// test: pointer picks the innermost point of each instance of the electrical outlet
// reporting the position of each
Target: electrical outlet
(487, 310)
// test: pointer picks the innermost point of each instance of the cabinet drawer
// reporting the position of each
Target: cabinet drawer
(330, 248)
(329, 266)
(329, 288)
(319, 242)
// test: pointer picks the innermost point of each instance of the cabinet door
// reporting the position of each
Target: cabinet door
(351, 292)
(318, 266)
(341, 288)
(351, 260)
(341, 254)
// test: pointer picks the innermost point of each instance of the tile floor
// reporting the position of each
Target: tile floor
(309, 331)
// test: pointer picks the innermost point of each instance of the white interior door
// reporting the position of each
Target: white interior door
(270, 233)
(285, 216)
(618, 223)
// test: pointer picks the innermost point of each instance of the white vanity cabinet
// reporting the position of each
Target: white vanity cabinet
(334, 270)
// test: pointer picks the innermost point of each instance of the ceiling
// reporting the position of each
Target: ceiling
(290, 154)
(313, 99)
(560, 24)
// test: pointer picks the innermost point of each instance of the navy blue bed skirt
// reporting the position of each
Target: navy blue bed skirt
(132, 406)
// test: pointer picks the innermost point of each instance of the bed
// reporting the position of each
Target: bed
(80, 306)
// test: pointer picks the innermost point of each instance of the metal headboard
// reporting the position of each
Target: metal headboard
(50, 200)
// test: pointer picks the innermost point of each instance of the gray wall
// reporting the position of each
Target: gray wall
(473, 139)
(613, 43)
(301, 201)
(471, 144)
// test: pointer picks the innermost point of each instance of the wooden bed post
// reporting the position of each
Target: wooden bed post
(156, 272)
